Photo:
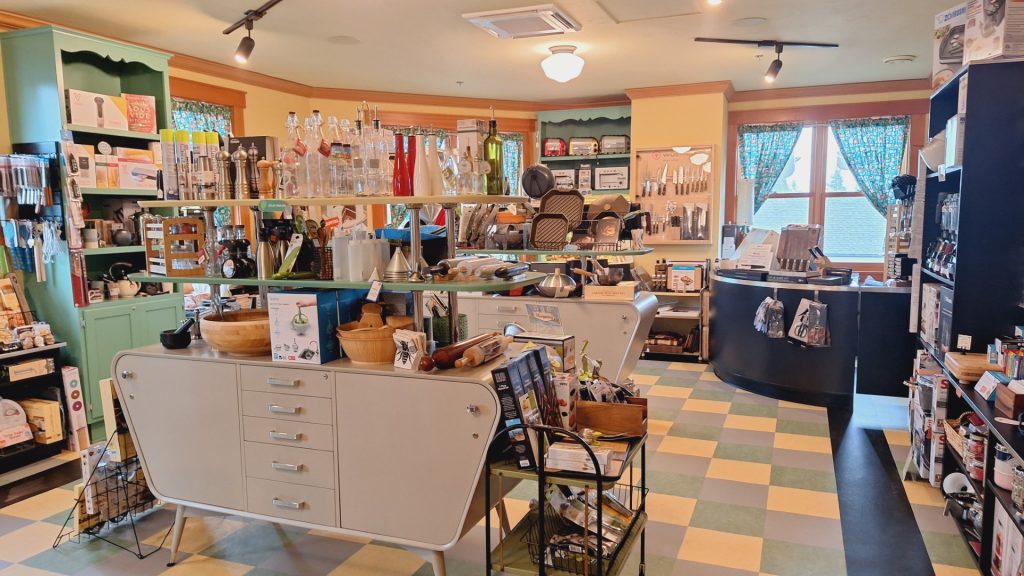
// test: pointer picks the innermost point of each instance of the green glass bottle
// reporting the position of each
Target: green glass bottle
(494, 178)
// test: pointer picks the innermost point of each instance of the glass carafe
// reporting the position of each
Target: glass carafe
(293, 159)
(449, 169)
(321, 151)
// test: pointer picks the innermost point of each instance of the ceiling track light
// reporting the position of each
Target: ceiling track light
(775, 66)
(247, 44)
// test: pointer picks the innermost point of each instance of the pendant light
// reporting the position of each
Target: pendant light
(775, 66)
(246, 46)
(563, 64)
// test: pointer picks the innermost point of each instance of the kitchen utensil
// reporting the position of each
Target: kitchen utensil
(556, 285)
(537, 180)
(123, 238)
(554, 147)
(174, 340)
(603, 276)
(568, 203)
(549, 232)
(127, 288)
(120, 270)
(583, 146)
(663, 180)
(239, 332)
(605, 231)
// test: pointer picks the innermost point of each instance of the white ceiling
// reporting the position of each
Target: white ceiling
(424, 46)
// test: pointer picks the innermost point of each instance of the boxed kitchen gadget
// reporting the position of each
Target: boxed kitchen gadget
(303, 326)
(685, 276)
(14, 428)
(266, 146)
(471, 134)
(615, 144)
(565, 179)
(44, 419)
(141, 112)
(613, 178)
(564, 346)
(994, 29)
(948, 48)
(29, 369)
(82, 164)
(623, 291)
(135, 174)
(97, 110)
(585, 179)
(955, 140)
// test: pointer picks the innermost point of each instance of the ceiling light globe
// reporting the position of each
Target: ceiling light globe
(563, 64)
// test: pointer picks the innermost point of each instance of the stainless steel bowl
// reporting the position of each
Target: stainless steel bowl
(556, 285)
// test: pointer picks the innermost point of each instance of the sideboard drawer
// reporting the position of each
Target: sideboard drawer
(287, 464)
(501, 306)
(287, 407)
(288, 433)
(292, 501)
(497, 322)
(287, 381)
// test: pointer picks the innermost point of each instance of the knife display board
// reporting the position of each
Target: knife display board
(675, 185)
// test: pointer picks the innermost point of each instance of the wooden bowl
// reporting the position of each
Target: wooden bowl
(367, 345)
(241, 333)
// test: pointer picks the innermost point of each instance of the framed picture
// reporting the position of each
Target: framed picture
(677, 186)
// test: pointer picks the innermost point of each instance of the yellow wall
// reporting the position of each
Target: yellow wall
(5, 132)
(828, 100)
(686, 120)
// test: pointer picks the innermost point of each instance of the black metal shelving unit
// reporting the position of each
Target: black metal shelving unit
(27, 453)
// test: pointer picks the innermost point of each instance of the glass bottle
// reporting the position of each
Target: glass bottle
(466, 170)
(336, 184)
(434, 165)
(320, 154)
(410, 161)
(494, 180)
(358, 166)
(400, 180)
(421, 185)
(371, 158)
(293, 159)
(450, 169)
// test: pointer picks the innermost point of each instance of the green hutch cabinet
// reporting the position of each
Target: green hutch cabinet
(39, 65)
(585, 123)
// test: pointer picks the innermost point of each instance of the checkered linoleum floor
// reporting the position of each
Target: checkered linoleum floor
(740, 485)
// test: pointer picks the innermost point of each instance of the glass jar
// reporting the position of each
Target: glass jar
(1017, 495)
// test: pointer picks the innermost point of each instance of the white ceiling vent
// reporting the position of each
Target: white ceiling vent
(528, 22)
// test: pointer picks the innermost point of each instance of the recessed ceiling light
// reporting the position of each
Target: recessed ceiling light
(749, 22)
(900, 59)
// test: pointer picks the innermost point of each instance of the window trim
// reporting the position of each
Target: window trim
(233, 99)
(917, 109)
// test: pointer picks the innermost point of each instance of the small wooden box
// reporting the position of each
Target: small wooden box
(968, 368)
(629, 419)
(1009, 402)
(173, 247)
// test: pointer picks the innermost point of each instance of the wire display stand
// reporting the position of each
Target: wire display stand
(113, 495)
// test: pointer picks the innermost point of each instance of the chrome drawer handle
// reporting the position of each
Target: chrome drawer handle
(507, 309)
(283, 382)
(288, 504)
(275, 435)
(286, 467)
(275, 409)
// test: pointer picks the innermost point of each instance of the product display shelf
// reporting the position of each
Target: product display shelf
(27, 458)
(133, 192)
(682, 294)
(583, 158)
(16, 353)
(969, 541)
(1005, 499)
(1007, 434)
(962, 468)
(516, 554)
(113, 133)
(275, 203)
(113, 250)
(509, 469)
(936, 277)
(527, 252)
(950, 171)
(172, 297)
(526, 279)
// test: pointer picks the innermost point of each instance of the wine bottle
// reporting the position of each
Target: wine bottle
(494, 178)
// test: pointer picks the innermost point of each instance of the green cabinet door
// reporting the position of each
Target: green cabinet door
(151, 318)
(108, 330)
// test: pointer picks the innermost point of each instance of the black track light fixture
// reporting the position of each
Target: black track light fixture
(775, 66)
(247, 44)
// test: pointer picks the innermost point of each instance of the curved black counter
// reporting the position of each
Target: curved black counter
(872, 348)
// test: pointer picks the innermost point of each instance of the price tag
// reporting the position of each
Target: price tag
(963, 342)
(272, 205)
(375, 288)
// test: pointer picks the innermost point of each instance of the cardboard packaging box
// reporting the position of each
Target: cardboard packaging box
(14, 428)
(955, 128)
(102, 171)
(133, 174)
(303, 326)
(141, 112)
(685, 277)
(948, 44)
(97, 110)
(85, 158)
(611, 178)
(623, 291)
(44, 419)
(266, 146)
(471, 134)
(134, 154)
(994, 29)
(585, 179)
(29, 369)
(564, 179)
(563, 345)
(567, 388)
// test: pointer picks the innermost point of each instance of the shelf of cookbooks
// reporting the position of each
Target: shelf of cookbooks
(592, 477)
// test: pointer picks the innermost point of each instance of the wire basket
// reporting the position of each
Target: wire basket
(567, 550)
(323, 263)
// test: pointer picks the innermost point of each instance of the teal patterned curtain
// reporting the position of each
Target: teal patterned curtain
(764, 150)
(873, 148)
(512, 163)
(195, 116)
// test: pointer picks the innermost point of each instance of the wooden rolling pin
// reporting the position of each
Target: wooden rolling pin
(483, 352)
(445, 358)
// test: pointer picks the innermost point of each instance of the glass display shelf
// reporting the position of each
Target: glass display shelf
(111, 132)
(527, 279)
(113, 250)
(341, 201)
(586, 157)
(120, 192)
(116, 302)
(683, 294)
(639, 252)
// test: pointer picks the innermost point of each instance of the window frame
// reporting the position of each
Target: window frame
(917, 109)
(202, 92)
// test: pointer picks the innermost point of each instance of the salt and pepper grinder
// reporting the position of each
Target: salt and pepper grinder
(239, 157)
(254, 175)
(224, 175)
(266, 178)
(278, 190)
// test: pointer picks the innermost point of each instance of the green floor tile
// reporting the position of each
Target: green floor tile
(803, 478)
(655, 413)
(754, 410)
(257, 571)
(805, 428)
(59, 518)
(744, 452)
(947, 549)
(72, 557)
(525, 490)
(698, 431)
(648, 370)
(731, 518)
(800, 560)
(678, 381)
(453, 567)
(719, 395)
(674, 484)
(253, 544)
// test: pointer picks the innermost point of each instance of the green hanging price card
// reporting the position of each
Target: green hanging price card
(272, 205)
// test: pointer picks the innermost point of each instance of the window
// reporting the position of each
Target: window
(512, 164)
(817, 185)
(196, 115)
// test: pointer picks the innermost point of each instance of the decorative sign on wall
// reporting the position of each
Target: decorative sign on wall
(676, 185)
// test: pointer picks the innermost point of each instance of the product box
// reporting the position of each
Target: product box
(134, 154)
(97, 110)
(141, 112)
(29, 369)
(121, 445)
(102, 171)
(685, 277)
(44, 419)
(303, 326)
(85, 160)
(961, 95)
(948, 44)
(994, 29)
(134, 174)
(584, 178)
(611, 178)
(471, 134)
(564, 347)
(113, 171)
(623, 291)
(14, 428)
(955, 128)
(945, 320)
(564, 179)
(567, 388)
(266, 146)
